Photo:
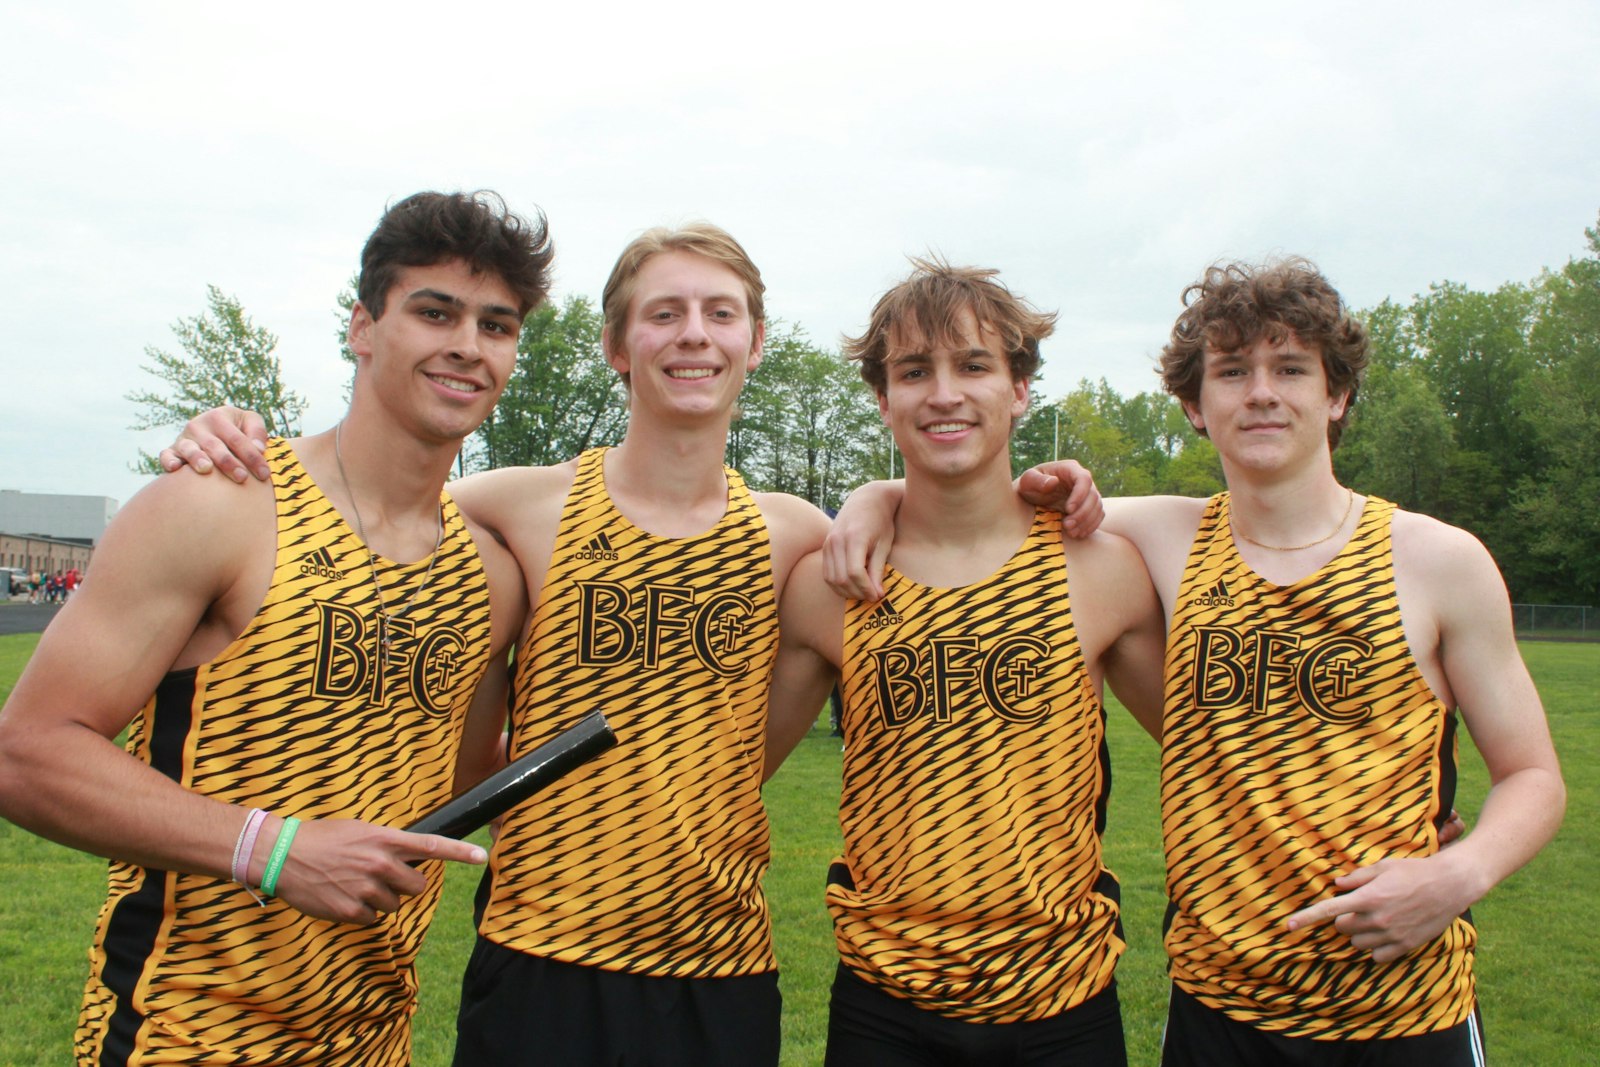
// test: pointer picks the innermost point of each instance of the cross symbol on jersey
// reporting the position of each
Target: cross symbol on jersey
(1342, 672)
(731, 627)
(1022, 672)
(442, 665)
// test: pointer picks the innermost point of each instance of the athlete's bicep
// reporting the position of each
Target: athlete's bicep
(508, 594)
(809, 643)
(1483, 667)
(483, 746)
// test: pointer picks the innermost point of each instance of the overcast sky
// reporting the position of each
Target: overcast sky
(1099, 159)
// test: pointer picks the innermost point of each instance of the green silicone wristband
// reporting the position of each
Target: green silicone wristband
(280, 853)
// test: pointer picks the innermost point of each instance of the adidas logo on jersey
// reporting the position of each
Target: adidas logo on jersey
(883, 615)
(599, 547)
(1215, 597)
(320, 565)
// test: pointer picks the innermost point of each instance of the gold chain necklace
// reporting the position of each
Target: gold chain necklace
(385, 618)
(1349, 502)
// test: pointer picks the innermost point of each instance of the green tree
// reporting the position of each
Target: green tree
(1034, 439)
(1441, 425)
(562, 398)
(808, 423)
(1075, 427)
(1159, 432)
(1559, 505)
(226, 359)
(1473, 346)
(1196, 471)
(1132, 445)
(1086, 432)
(1399, 443)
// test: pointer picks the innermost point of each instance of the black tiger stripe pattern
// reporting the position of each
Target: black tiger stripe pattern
(975, 782)
(1301, 742)
(294, 717)
(650, 859)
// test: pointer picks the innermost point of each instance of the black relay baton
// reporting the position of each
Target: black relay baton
(523, 777)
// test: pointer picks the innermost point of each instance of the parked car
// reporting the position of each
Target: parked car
(16, 583)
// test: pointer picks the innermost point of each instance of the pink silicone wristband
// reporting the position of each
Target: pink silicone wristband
(247, 845)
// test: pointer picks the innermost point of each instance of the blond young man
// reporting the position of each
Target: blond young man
(1320, 646)
(975, 919)
(625, 919)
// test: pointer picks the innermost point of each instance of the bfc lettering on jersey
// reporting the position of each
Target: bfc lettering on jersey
(975, 779)
(916, 680)
(616, 627)
(421, 671)
(187, 968)
(1263, 668)
(1300, 741)
(649, 861)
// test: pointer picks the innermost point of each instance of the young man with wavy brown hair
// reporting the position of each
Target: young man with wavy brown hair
(975, 918)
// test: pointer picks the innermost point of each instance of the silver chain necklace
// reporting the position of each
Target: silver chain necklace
(385, 618)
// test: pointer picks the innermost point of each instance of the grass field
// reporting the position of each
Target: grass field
(1538, 962)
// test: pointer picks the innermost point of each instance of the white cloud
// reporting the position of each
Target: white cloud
(1099, 158)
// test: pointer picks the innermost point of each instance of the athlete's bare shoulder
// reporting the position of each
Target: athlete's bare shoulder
(1416, 534)
(1162, 528)
(1155, 520)
(1439, 565)
(796, 528)
(1105, 570)
(519, 508)
(786, 509)
(1103, 550)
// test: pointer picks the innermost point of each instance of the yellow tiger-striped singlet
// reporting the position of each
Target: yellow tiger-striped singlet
(1301, 742)
(975, 782)
(648, 859)
(293, 717)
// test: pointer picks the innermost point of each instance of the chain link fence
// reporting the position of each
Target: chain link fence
(1577, 622)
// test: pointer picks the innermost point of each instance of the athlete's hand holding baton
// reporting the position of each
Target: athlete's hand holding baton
(352, 871)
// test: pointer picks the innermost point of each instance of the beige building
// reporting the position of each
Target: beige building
(46, 554)
(51, 533)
